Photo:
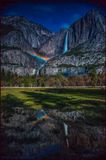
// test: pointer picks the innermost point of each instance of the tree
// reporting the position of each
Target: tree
(93, 76)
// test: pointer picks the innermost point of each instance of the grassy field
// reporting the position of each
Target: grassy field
(89, 100)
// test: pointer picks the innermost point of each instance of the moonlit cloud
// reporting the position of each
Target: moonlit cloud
(76, 16)
(12, 13)
(65, 25)
(45, 8)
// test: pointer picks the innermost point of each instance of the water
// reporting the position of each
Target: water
(66, 133)
(38, 72)
(40, 114)
(50, 150)
(65, 129)
(66, 43)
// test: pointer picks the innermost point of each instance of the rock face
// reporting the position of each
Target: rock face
(87, 32)
(34, 34)
(18, 62)
(55, 45)
(86, 48)
(72, 65)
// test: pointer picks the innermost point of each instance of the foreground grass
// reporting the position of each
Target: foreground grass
(89, 100)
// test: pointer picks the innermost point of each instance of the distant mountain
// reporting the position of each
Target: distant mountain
(72, 51)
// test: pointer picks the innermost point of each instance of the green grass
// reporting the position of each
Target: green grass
(90, 100)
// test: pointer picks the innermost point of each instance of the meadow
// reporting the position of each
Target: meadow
(89, 100)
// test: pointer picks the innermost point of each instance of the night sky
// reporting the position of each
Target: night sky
(52, 16)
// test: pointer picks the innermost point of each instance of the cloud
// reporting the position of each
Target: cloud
(10, 13)
(76, 16)
(45, 8)
(65, 25)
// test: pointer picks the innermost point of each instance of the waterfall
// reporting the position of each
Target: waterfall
(40, 68)
(38, 72)
(66, 43)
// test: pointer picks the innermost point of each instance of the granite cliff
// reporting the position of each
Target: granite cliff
(85, 47)
(20, 38)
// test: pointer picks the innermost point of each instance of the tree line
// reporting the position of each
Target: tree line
(92, 79)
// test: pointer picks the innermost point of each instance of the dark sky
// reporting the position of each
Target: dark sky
(52, 16)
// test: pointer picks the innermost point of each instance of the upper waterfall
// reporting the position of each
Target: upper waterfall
(66, 43)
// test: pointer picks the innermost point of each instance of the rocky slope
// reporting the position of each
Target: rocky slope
(19, 39)
(72, 65)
